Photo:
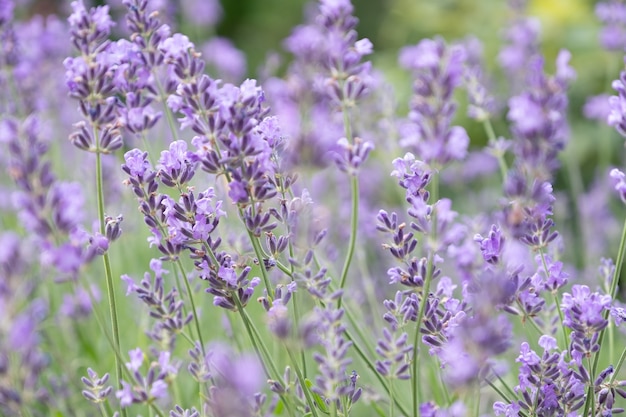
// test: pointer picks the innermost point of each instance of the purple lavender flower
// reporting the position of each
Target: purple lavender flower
(97, 389)
(619, 179)
(618, 105)
(236, 381)
(166, 308)
(522, 36)
(538, 117)
(612, 14)
(145, 389)
(491, 246)
(228, 61)
(597, 108)
(584, 314)
(203, 12)
(438, 71)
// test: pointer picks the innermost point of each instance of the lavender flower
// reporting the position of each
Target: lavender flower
(584, 314)
(612, 14)
(145, 389)
(166, 308)
(538, 117)
(438, 70)
(491, 246)
(618, 105)
(97, 389)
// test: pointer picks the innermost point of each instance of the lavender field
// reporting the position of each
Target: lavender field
(318, 228)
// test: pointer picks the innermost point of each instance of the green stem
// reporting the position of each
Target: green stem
(196, 319)
(107, 264)
(258, 251)
(556, 299)
(491, 135)
(100, 321)
(415, 375)
(258, 343)
(354, 215)
(614, 284)
(372, 368)
(303, 385)
(390, 379)
(477, 399)
(168, 112)
(504, 397)
(156, 410)
(354, 185)
(620, 362)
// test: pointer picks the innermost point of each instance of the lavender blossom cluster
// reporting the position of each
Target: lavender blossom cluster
(206, 244)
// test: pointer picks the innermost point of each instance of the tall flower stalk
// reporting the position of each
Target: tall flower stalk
(90, 80)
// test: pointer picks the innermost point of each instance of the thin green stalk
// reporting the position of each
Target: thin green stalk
(100, 322)
(577, 188)
(168, 112)
(590, 393)
(296, 320)
(107, 264)
(614, 284)
(333, 409)
(354, 214)
(156, 410)
(359, 331)
(504, 397)
(261, 351)
(477, 401)
(390, 379)
(305, 388)
(370, 365)
(556, 299)
(196, 319)
(259, 254)
(354, 220)
(415, 374)
(258, 344)
(491, 135)
(618, 367)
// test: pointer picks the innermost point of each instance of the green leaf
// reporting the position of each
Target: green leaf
(378, 410)
(280, 407)
(318, 400)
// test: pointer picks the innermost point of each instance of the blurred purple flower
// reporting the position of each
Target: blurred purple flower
(202, 12)
(597, 108)
(228, 61)
(612, 14)
(619, 180)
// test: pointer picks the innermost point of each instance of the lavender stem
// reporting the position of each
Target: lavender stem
(354, 214)
(107, 265)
